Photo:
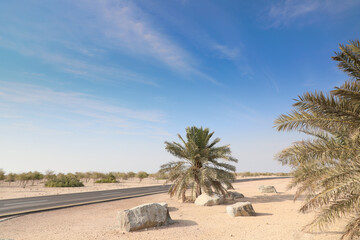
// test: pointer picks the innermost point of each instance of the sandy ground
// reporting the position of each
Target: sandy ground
(14, 190)
(277, 218)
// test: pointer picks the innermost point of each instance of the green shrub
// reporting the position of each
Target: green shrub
(10, 177)
(62, 180)
(257, 174)
(2, 174)
(109, 178)
(141, 175)
(131, 174)
(160, 176)
(121, 175)
(49, 175)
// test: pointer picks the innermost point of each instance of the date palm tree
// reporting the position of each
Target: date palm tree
(326, 167)
(200, 168)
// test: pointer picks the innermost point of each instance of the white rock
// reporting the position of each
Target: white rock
(267, 189)
(240, 209)
(164, 204)
(207, 200)
(144, 216)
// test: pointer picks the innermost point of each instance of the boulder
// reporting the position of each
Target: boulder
(144, 216)
(267, 189)
(209, 200)
(234, 195)
(240, 209)
(164, 204)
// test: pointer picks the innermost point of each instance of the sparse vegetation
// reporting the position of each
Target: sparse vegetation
(141, 175)
(108, 178)
(10, 177)
(199, 168)
(327, 166)
(131, 174)
(2, 174)
(258, 174)
(23, 179)
(62, 180)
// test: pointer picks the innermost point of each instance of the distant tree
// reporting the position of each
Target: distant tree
(49, 174)
(131, 174)
(108, 178)
(2, 174)
(121, 175)
(97, 175)
(199, 168)
(36, 176)
(10, 177)
(141, 175)
(24, 178)
(62, 180)
(80, 175)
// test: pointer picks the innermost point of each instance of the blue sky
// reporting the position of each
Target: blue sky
(100, 85)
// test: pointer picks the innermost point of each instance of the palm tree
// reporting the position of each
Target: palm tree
(326, 168)
(199, 168)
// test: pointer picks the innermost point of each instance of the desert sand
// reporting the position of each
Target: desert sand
(14, 190)
(277, 218)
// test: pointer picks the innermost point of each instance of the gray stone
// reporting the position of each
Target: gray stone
(267, 189)
(164, 204)
(209, 200)
(240, 209)
(234, 195)
(144, 216)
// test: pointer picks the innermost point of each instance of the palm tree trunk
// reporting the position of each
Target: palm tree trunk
(183, 197)
(198, 186)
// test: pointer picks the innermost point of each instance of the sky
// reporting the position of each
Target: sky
(100, 85)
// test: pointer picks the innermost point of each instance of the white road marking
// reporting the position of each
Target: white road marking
(26, 203)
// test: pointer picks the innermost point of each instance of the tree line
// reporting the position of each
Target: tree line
(77, 179)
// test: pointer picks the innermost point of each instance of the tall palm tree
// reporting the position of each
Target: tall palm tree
(326, 167)
(199, 168)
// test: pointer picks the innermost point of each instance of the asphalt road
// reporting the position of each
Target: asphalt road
(17, 206)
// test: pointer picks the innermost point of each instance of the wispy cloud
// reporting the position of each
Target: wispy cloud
(226, 51)
(285, 12)
(73, 65)
(57, 104)
(79, 46)
(288, 11)
(133, 30)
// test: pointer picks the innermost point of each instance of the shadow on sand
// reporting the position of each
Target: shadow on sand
(182, 223)
(262, 199)
(172, 209)
(177, 224)
(263, 214)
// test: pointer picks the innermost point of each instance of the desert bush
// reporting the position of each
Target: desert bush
(108, 178)
(80, 175)
(49, 175)
(61, 180)
(97, 175)
(257, 174)
(35, 176)
(10, 177)
(121, 175)
(23, 178)
(2, 174)
(131, 174)
(141, 175)
(160, 176)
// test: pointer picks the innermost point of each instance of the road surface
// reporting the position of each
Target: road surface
(17, 206)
